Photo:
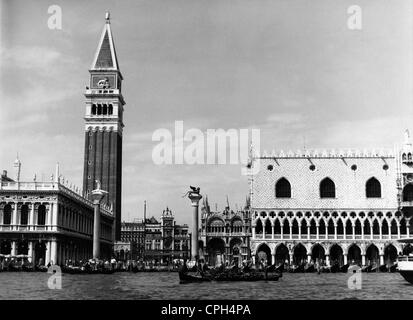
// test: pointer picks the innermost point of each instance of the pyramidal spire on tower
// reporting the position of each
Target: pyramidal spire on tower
(105, 56)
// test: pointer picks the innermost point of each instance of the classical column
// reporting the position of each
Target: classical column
(272, 258)
(318, 231)
(14, 217)
(13, 248)
(371, 231)
(97, 196)
(253, 232)
(47, 256)
(299, 232)
(291, 231)
(308, 258)
(53, 252)
(363, 259)
(345, 259)
(398, 230)
(381, 259)
(291, 257)
(327, 260)
(308, 232)
(31, 216)
(335, 232)
(272, 231)
(50, 212)
(282, 231)
(354, 231)
(30, 252)
(263, 230)
(253, 259)
(408, 228)
(380, 230)
(194, 196)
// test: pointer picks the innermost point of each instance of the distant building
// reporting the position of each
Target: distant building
(49, 221)
(332, 206)
(132, 243)
(225, 236)
(153, 240)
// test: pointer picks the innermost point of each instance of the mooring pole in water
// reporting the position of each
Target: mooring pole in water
(194, 197)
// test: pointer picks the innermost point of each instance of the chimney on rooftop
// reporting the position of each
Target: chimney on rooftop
(4, 173)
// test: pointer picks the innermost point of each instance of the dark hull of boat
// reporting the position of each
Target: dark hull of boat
(344, 268)
(325, 269)
(407, 275)
(247, 277)
(393, 268)
(335, 268)
(383, 268)
(280, 268)
(366, 269)
(296, 269)
(309, 269)
(188, 278)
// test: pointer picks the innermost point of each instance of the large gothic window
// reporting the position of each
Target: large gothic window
(408, 193)
(283, 189)
(373, 188)
(327, 188)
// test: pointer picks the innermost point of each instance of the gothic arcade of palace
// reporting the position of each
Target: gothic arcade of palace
(52, 221)
(332, 206)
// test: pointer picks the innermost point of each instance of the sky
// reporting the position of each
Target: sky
(292, 69)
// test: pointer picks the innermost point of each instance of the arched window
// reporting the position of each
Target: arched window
(93, 109)
(99, 109)
(41, 215)
(24, 215)
(373, 188)
(408, 192)
(105, 109)
(283, 189)
(7, 214)
(366, 228)
(110, 110)
(327, 188)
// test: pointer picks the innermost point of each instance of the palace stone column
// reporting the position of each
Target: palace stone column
(97, 196)
(194, 197)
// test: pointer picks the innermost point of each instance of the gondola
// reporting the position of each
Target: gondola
(188, 278)
(335, 268)
(375, 268)
(296, 268)
(366, 268)
(344, 268)
(393, 268)
(383, 268)
(310, 268)
(325, 269)
(280, 268)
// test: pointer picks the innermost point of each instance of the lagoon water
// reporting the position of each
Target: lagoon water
(166, 286)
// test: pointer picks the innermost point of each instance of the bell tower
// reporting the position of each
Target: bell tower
(103, 126)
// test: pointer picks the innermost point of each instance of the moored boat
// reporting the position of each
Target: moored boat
(383, 268)
(405, 267)
(309, 268)
(344, 268)
(366, 268)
